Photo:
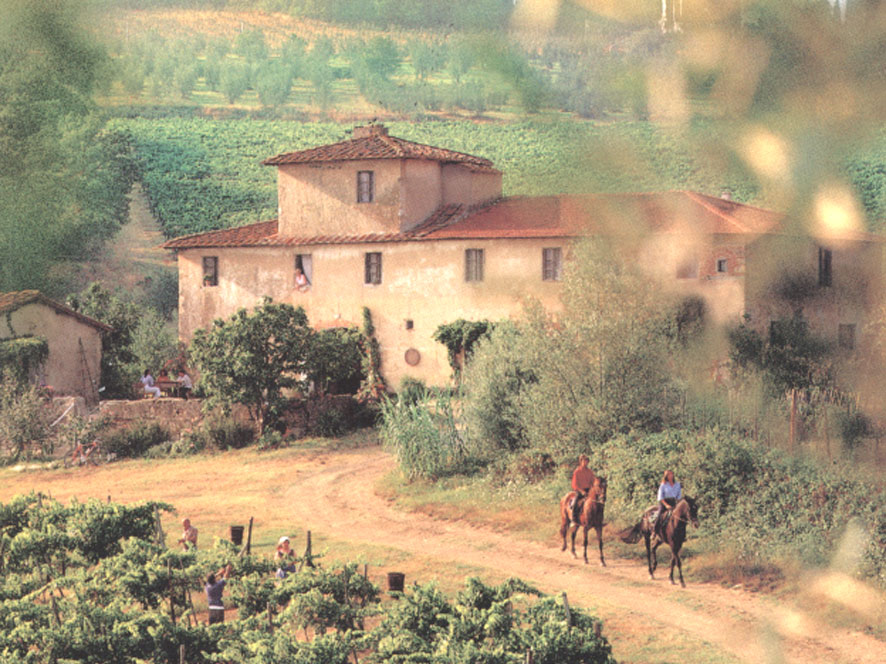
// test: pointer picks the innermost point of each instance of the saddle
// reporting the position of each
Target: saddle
(658, 524)
(575, 505)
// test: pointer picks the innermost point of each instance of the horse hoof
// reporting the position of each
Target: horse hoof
(602, 563)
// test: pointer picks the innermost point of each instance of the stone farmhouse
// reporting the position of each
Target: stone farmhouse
(73, 366)
(422, 236)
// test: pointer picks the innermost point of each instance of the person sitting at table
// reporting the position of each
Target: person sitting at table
(147, 380)
(184, 384)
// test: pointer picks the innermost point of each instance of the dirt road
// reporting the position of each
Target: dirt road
(337, 494)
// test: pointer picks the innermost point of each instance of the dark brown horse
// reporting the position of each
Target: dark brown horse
(591, 516)
(673, 534)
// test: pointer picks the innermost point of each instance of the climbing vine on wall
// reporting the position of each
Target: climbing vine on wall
(22, 356)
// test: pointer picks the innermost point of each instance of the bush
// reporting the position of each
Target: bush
(412, 391)
(331, 417)
(135, 441)
(24, 421)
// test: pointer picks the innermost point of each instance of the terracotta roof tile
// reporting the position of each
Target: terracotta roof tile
(532, 217)
(17, 299)
(373, 142)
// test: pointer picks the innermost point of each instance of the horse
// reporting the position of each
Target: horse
(673, 534)
(591, 517)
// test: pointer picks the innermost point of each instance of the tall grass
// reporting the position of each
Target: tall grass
(422, 434)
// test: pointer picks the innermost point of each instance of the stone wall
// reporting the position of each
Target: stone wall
(174, 415)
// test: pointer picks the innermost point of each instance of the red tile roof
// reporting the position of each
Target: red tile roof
(532, 217)
(373, 142)
(17, 299)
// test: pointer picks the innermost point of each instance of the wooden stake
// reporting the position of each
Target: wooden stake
(181, 654)
(566, 609)
(247, 548)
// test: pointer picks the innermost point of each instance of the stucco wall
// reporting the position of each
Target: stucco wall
(421, 189)
(321, 198)
(65, 369)
(783, 278)
(462, 185)
(422, 282)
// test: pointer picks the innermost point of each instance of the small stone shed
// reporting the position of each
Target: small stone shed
(73, 366)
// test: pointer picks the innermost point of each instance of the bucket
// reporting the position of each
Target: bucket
(237, 535)
(395, 581)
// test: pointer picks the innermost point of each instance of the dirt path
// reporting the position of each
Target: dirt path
(749, 627)
(133, 254)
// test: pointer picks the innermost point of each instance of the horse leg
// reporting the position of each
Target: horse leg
(564, 526)
(600, 544)
(676, 559)
(574, 532)
(655, 556)
(586, 544)
(648, 555)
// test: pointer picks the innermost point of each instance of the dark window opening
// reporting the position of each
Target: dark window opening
(825, 275)
(722, 265)
(210, 270)
(365, 187)
(551, 264)
(409, 324)
(473, 265)
(372, 268)
(304, 271)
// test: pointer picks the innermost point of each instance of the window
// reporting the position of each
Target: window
(722, 265)
(304, 272)
(551, 264)
(365, 187)
(824, 267)
(688, 269)
(473, 265)
(373, 268)
(210, 270)
(846, 336)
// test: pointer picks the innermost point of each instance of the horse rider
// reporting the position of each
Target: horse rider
(669, 493)
(582, 481)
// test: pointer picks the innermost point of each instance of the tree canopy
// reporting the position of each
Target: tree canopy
(252, 357)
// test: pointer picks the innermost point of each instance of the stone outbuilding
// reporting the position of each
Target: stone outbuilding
(73, 366)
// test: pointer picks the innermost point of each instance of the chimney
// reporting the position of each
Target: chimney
(370, 130)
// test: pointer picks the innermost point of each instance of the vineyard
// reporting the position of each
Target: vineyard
(94, 582)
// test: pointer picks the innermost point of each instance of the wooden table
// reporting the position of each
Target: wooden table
(168, 388)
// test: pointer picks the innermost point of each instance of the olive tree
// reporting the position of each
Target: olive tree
(253, 357)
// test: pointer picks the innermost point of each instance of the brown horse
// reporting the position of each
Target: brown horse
(591, 516)
(673, 534)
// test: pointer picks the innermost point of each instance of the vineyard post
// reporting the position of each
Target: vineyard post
(158, 529)
(247, 548)
(308, 555)
(270, 619)
(529, 658)
(567, 611)
(181, 654)
(171, 591)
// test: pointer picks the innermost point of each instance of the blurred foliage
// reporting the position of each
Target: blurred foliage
(64, 177)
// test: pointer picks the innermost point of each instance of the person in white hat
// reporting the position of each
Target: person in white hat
(284, 557)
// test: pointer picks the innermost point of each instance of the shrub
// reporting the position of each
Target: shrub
(135, 441)
(24, 421)
(412, 390)
(225, 433)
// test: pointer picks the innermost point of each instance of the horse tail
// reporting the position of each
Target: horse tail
(630, 535)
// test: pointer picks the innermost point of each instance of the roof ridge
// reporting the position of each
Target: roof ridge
(693, 196)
